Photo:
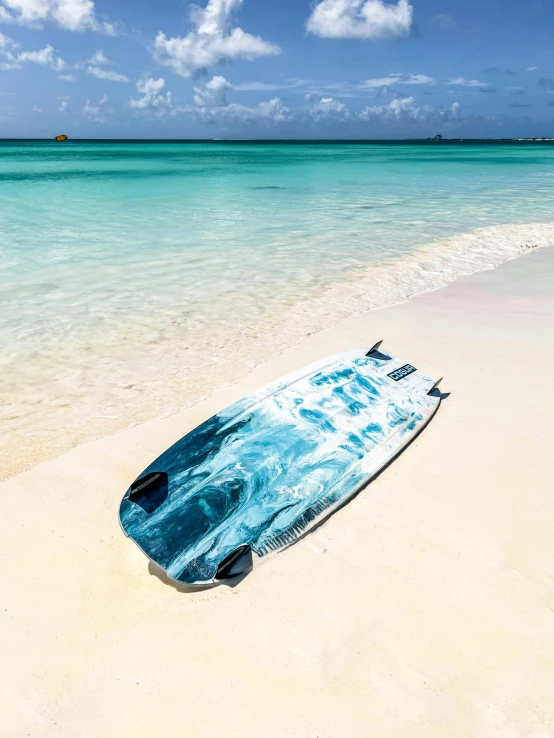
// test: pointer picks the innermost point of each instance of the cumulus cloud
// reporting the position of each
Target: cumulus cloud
(212, 106)
(73, 15)
(329, 107)
(213, 41)
(94, 111)
(270, 111)
(212, 93)
(363, 19)
(99, 59)
(152, 98)
(467, 82)
(13, 59)
(407, 109)
(64, 106)
(108, 74)
(67, 77)
(45, 57)
(328, 113)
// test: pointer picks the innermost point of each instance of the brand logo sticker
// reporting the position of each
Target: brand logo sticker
(402, 372)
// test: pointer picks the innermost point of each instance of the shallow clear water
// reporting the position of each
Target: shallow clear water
(134, 277)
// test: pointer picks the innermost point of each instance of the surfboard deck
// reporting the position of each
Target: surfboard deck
(260, 474)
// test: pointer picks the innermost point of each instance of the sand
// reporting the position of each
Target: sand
(425, 607)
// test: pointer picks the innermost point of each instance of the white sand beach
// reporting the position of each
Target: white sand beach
(423, 609)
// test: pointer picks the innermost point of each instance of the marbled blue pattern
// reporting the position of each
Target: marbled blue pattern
(268, 468)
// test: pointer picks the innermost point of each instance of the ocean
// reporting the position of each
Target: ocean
(136, 277)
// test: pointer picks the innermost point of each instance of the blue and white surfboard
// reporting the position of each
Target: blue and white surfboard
(260, 474)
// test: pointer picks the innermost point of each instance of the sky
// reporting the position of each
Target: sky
(276, 68)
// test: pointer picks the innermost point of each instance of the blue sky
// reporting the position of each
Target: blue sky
(263, 68)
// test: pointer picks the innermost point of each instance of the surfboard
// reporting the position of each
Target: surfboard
(256, 477)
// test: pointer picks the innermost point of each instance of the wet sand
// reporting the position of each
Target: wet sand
(423, 608)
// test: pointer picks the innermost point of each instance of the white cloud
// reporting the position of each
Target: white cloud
(398, 79)
(73, 15)
(152, 98)
(36, 109)
(273, 110)
(365, 19)
(67, 77)
(328, 106)
(467, 82)
(396, 109)
(99, 59)
(44, 57)
(531, 69)
(379, 82)
(212, 93)
(14, 59)
(212, 42)
(257, 86)
(407, 109)
(64, 106)
(268, 111)
(5, 41)
(94, 111)
(418, 79)
(107, 74)
(269, 86)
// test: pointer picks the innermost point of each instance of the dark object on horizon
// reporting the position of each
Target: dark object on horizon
(61, 137)
(438, 137)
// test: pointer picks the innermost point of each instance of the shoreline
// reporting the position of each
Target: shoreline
(422, 608)
(104, 389)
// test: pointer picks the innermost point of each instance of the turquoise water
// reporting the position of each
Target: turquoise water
(125, 266)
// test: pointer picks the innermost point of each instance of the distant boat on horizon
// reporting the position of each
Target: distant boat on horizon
(61, 137)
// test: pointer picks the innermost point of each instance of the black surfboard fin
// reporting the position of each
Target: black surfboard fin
(435, 386)
(237, 563)
(374, 348)
(150, 491)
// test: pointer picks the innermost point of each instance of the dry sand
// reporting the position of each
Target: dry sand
(424, 608)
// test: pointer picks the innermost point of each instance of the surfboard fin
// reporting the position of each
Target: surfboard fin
(374, 348)
(150, 491)
(236, 564)
(435, 386)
